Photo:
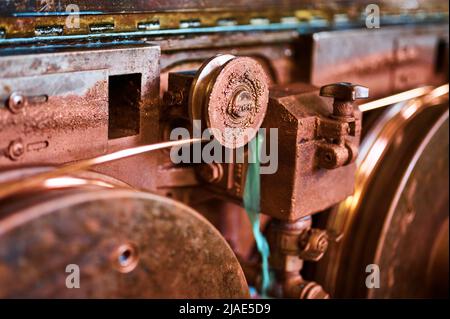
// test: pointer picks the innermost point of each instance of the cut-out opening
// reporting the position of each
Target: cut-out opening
(124, 105)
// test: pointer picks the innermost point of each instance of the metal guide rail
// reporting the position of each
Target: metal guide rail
(33, 22)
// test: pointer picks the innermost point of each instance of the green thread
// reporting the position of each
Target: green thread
(252, 199)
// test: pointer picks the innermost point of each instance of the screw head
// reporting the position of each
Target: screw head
(16, 149)
(16, 102)
(345, 91)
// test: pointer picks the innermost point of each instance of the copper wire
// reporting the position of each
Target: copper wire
(12, 187)
(400, 97)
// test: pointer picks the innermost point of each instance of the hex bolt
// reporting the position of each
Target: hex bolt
(344, 94)
(16, 102)
(16, 149)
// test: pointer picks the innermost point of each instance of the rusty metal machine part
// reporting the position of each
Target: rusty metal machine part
(344, 94)
(227, 94)
(395, 59)
(328, 142)
(105, 65)
(318, 150)
(25, 22)
(400, 199)
(16, 185)
(76, 178)
(330, 129)
(343, 151)
(125, 243)
(237, 101)
(201, 83)
(74, 107)
(291, 244)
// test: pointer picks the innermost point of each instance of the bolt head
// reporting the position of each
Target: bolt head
(16, 102)
(16, 149)
(345, 91)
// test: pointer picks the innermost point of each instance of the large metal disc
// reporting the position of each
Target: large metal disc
(397, 217)
(125, 243)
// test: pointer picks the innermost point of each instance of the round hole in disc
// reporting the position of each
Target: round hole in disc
(126, 257)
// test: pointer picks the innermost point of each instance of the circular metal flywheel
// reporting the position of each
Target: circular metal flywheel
(395, 225)
(122, 244)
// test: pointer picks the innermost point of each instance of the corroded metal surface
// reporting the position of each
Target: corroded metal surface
(227, 94)
(36, 21)
(73, 120)
(300, 113)
(77, 86)
(394, 59)
(400, 201)
(133, 6)
(420, 207)
(292, 243)
(126, 244)
(237, 101)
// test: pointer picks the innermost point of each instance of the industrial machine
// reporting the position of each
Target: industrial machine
(210, 149)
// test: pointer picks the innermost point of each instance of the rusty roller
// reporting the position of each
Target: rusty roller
(230, 95)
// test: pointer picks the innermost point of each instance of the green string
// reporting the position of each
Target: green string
(252, 199)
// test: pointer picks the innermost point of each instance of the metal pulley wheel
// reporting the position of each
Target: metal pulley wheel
(125, 244)
(397, 218)
(230, 95)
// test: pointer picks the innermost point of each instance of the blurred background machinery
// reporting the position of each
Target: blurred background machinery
(359, 95)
